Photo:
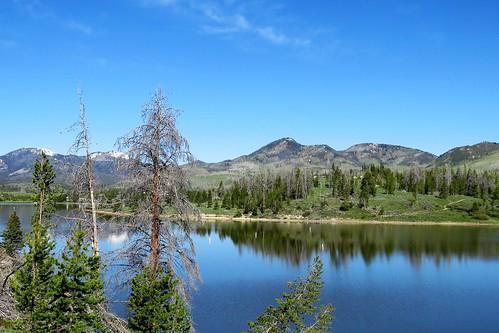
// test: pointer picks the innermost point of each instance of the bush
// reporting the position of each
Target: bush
(346, 206)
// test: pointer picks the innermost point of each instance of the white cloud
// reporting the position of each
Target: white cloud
(220, 21)
(79, 27)
(275, 37)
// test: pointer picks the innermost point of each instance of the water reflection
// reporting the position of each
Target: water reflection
(117, 239)
(298, 242)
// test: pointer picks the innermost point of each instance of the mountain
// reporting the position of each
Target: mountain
(16, 166)
(389, 155)
(484, 156)
(281, 153)
(287, 153)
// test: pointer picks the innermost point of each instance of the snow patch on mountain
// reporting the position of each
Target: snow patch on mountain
(109, 155)
(20, 172)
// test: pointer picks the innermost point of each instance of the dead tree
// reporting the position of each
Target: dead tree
(156, 150)
(84, 179)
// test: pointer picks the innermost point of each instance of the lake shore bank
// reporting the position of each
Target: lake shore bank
(297, 219)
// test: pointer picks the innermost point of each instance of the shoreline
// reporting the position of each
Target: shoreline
(332, 221)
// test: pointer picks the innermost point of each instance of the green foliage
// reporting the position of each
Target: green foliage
(62, 300)
(155, 305)
(353, 194)
(444, 190)
(12, 237)
(296, 311)
(78, 288)
(43, 174)
(365, 191)
(56, 301)
(32, 283)
(17, 197)
(58, 194)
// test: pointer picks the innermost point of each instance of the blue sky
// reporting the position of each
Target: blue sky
(423, 74)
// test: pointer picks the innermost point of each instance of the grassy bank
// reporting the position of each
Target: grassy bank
(398, 207)
(383, 208)
(17, 197)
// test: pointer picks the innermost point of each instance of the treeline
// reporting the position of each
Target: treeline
(14, 194)
(258, 193)
(271, 191)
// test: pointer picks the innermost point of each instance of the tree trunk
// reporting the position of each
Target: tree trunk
(155, 199)
(42, 198)
(95, 240)
(155, 223)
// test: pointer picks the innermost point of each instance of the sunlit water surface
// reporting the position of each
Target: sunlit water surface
(380, 278)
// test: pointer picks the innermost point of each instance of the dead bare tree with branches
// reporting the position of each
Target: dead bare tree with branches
(84, 179)
(156, 150)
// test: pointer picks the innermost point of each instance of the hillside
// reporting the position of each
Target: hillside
(389, 155)
(484, 156)
(287, 153)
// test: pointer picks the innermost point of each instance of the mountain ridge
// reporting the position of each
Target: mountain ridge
(16, 166)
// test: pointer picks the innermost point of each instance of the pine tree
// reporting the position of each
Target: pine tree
(78, 288)
(43, 178)
(155, 305)
(296, 306)
(364, 192)
(13, 235)
(444, 189)
(32, 283)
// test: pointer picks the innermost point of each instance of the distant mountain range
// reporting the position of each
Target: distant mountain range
(286, 152)
(15, 167)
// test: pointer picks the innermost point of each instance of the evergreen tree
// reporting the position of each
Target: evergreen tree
(209, 198)
(13, 235)
(43, 178)
(444, 189)
(155, 305)
(78, 288)
(296, 306)
(364, 192)
(32, 283)
(220, 190)
(496, 190)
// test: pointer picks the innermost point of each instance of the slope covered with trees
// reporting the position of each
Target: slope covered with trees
(374, 192)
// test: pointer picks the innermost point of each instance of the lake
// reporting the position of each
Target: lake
(380, 278)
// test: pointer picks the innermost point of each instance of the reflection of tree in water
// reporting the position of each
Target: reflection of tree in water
(297, 242)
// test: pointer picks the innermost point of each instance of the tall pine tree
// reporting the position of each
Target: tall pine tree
(31, 284)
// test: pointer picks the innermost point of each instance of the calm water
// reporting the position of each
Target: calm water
(379, 278)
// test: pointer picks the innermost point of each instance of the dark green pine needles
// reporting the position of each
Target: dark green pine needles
(296, 311)
(12, 237)
(32, 283)
(156, 306)
(78, 288)
(51, 295)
